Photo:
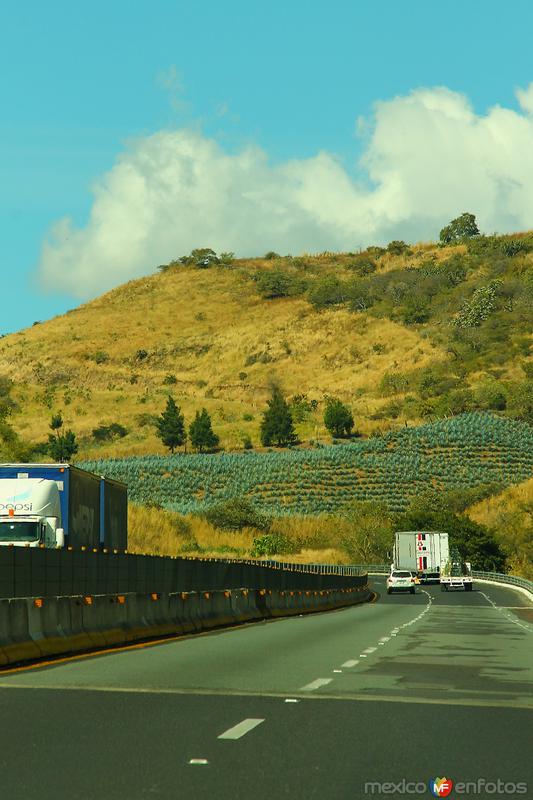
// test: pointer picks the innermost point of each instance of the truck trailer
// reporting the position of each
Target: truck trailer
(421, 552)
(59, 505)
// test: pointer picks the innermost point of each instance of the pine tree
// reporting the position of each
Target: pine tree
(61, 445)
(277, 425)
(171, 426)
(201, 433)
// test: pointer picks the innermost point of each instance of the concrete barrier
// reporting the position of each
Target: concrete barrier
(34, 628)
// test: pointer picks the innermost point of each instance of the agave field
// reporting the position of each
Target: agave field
(461, 452)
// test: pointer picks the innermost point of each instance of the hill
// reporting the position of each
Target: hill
(401, 334)
(468, 451)
(510, 515)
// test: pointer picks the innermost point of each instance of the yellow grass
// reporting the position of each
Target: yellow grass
(202, 326)
(158, 532)
(510, 516)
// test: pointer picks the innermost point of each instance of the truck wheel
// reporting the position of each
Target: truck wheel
(468, 587)
(442, 587)
(389, 591)
(412, 590)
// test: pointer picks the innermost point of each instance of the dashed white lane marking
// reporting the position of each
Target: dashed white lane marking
(509, 616)
(291, 700)
(337, 670)
(310, 687)
(351, 663)
(370, 650)
(241, 729)
(198, 761)
(384, 639)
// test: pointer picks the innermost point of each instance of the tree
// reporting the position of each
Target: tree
(201, 433)
(338, 418)
(459, 229)
(366, 532)
(277, 425)
(62, 445)
(170, 426)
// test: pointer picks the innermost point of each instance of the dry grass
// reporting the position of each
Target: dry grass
(158, 532)
(510, 516)
(204, 328)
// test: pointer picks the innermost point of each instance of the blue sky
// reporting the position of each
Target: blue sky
(252, 93)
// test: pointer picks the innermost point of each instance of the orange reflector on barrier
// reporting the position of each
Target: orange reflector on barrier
(154, 596)
(207, 595)
(38, 602)
(121, 599)
(88, 601)
(184, 595)
(244, 592)
(227, 593)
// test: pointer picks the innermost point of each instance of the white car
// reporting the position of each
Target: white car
(401, 581)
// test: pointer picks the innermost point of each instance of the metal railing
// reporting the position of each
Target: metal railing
(500, 577)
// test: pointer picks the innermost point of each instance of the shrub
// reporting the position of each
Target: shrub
(100, 357)
(397, 247)
(338, 418)
(363, 266)
(328, 291)
(393, 383)
(278, 283)
(236, 514)
(271, 544)
(107, 433)
(169, 380)
(271, 255)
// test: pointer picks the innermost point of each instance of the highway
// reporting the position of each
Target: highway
(403, 688)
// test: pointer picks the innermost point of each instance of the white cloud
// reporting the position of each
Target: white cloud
(428, 157)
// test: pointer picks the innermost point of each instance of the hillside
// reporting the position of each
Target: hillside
(510, 515)
(402, 334)
(465, 452)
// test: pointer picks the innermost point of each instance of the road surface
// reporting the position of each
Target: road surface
(328, 706)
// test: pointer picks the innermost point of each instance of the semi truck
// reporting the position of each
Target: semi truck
(455, 573)
(421, 552)
(59, 505)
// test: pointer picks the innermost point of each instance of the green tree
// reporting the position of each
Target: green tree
(338, 418)
(201, 433)
(459, 229)
(366, 532)
(170, 426)
(62, 445)
(277, 425)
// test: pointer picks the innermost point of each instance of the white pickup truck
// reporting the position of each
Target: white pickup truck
(455, 573)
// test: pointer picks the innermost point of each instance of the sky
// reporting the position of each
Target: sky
(131, 132)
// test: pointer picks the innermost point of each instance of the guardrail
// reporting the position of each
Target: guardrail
(500, 577)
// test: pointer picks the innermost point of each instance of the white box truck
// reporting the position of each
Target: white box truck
(421, 552)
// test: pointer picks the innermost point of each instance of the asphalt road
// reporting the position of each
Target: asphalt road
(405, 688)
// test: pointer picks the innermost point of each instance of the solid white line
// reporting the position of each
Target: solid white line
(241, 729)
(351, 663)
(310, 687)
